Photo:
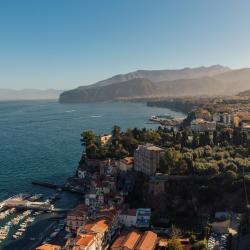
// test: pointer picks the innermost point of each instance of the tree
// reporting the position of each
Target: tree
(116, 133)
(172, 158)
(205, 138)
(215, 138)
(174, 244)
(237, 137)
(184, 139)
(88, 137)
(195, 141)
(200, 245)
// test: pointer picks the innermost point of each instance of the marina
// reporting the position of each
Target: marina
(18, 225)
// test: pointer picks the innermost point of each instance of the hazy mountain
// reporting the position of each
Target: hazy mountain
(244, 93)
(163, 75)
(214, 80)
(29, 94)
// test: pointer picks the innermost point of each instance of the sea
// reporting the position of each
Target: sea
(40, 140)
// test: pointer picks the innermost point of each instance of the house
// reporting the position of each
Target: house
(128, 218)
(77, 217)
(48, 246)
(147, 159)
(126, 164)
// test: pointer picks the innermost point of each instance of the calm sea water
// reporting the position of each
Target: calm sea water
(40, 140)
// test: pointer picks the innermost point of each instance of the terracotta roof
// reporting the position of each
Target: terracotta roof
(84, 240)
(48, 247)
(119, 241)
(128, 160)
(131, 240)
(109, 213)
(97, 226)
(100, 226)
(148, 241)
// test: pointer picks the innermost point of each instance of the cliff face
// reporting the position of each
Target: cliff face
(214, 80)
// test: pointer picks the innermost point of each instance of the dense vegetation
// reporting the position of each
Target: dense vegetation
(210, 164)
(186, 153)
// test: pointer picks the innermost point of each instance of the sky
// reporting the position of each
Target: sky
(62, 44)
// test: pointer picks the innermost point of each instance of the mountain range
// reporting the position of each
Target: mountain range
(213, 80)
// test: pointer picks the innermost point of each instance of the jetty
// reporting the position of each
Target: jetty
(58, 187)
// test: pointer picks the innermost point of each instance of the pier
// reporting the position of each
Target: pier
(56, 186)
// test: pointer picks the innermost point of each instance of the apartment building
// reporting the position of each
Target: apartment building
(147, 158)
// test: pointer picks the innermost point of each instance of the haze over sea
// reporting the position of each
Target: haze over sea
(40, 140)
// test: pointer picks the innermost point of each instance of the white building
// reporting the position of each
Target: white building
(128, 218)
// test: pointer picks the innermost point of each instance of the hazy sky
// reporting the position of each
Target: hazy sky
(65, 43)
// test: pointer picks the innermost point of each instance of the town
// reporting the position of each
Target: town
(165, 189)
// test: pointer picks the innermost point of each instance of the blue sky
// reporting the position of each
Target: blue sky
(66, 43)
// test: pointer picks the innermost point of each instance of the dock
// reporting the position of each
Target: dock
(56, 186)
(46, 184)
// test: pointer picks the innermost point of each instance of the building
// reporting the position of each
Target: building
(81, 172)
(128, 217)
(139, 217)
(200, 125)
(82, 242)
(148, 241)
(223, 118)
(147, 159)
(99, 228)
(48, 247)
(94, 200)
(135, 240)
(126, 241)
(126, 164)
(111, 215)
(105, 139)
(76, 218)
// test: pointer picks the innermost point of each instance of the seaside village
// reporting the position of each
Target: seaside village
(229, 116)
(106, 221)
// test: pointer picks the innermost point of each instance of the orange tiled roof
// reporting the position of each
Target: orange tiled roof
(84, 240)
(108, 212)
(48, 247)
(128, 160)
(100, 226)
(148, 241)
(119, 242)
(97, 226)
(131, 240)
